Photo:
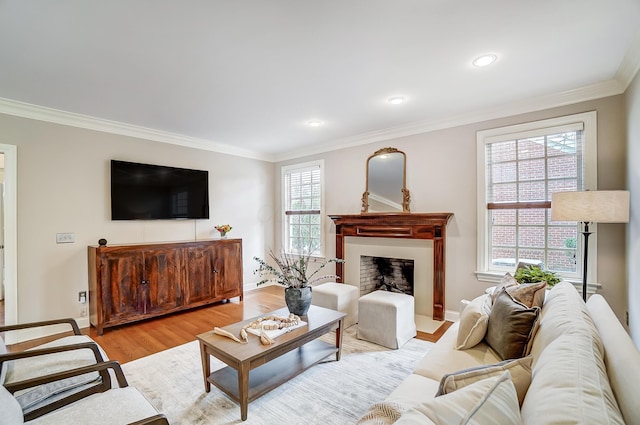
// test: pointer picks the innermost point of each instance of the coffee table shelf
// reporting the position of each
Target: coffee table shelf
(254, 369)
(274, 373)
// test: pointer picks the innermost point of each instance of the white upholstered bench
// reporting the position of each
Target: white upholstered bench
(338, 296)
(386, 318)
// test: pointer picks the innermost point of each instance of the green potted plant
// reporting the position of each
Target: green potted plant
(533, 274)
(293, 272)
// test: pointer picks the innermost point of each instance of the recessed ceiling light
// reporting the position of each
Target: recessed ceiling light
(484, 60)
(396, 100)
(314, 123)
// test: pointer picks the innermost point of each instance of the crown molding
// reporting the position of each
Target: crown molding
(630, 63)
(595, 91)
(612, 87)
(42, 113)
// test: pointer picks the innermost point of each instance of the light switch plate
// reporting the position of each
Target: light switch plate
(65, 237)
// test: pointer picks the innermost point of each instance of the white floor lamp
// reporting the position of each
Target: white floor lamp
(591, 206)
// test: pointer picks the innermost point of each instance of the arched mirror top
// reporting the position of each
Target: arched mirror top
(386, 182)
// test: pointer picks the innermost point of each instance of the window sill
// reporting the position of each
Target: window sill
(496, 277)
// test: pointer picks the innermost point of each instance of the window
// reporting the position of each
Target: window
(519, 167)
(303, 208)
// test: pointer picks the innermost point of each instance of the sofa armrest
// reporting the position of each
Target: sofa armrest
(622, 358)
(71, 322)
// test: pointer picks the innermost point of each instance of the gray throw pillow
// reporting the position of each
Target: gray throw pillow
(511, 325)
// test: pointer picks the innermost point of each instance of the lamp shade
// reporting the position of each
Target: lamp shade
(593, 206)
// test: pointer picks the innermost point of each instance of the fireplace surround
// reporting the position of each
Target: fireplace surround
(431, 226)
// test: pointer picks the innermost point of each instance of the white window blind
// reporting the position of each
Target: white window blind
(302, 187)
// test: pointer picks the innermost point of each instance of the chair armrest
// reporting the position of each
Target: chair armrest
(93, 346)
(102, 387)
(69, 321)
(152, 420)
(112, 364)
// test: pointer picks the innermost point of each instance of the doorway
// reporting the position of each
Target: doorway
(1, 238)
(9, 231)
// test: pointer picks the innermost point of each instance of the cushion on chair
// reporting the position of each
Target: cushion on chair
(115, 406)
(33, 367)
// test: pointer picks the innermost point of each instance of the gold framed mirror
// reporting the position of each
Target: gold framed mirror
(386, 189)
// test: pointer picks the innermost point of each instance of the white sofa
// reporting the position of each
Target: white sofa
(582, 368)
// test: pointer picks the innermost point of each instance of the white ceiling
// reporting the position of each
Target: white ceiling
(245, 76)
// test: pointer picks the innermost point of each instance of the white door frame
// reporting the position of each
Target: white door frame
(10, 238)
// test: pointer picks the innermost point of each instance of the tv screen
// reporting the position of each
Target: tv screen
(154, 192)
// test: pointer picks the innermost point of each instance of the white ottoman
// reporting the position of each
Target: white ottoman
(338, 296)
(386, 318)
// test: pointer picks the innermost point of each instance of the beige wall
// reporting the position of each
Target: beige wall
(441, 175)
(63, 186)
(633, 235)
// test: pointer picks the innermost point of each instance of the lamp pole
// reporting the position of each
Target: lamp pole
(586, 234)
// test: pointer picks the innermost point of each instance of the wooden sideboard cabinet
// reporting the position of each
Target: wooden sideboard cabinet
(134, 282)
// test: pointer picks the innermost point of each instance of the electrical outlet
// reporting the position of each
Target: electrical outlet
(83, 311)
(82, 297)
(65, 237)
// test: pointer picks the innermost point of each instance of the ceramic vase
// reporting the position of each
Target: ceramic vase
(298, 300)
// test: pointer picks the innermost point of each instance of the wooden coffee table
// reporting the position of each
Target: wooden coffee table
(255, 369)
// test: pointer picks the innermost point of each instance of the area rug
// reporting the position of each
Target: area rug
(329, 393)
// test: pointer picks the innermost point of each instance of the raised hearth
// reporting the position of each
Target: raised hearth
(431, 226)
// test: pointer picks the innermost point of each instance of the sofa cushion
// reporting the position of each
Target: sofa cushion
(563, 312)
(570, 385)
(413, 390)
(529, 294)
(622, 358)
(443, 358)
(473, 322)
(511, 325)
(489, 401)
(520, 370)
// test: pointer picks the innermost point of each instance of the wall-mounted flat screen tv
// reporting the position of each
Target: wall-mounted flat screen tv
(155, 192)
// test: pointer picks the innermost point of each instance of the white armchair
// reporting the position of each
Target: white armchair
(62, 354)
(124, 405)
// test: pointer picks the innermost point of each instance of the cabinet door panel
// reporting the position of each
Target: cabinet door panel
(200, 274)
(228, 263)
(122, 276)
(163, 276)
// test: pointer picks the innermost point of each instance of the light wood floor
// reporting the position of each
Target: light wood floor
(133, 341)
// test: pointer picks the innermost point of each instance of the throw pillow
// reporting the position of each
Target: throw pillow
(489, 401)
(506, 281)
(511, 325)
(473, 323)
(382, 413)
(520, 370)
(529, 294)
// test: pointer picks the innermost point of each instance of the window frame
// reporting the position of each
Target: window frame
(289, 169)
(485, 271)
